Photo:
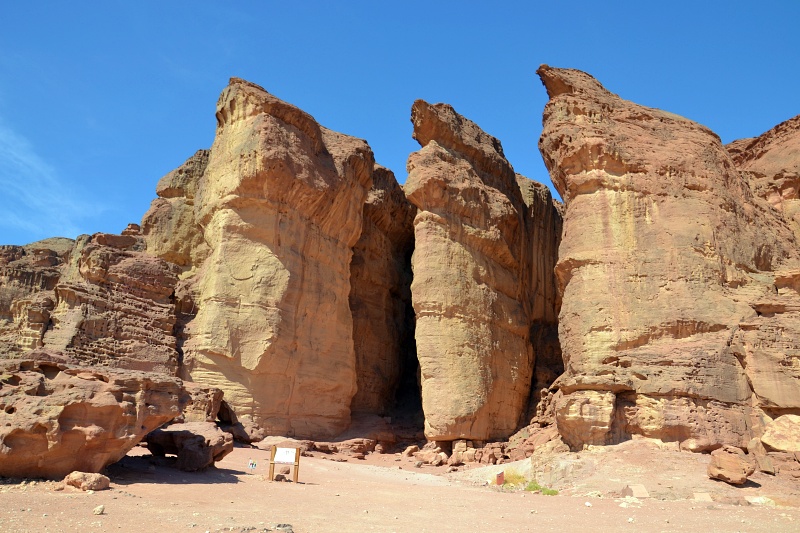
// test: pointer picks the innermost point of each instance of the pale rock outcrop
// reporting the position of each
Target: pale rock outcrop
(56, 418)
(169, 226)
(380, 294)
(664, 252)
(280, 203)
(471, 287)
(783, 434)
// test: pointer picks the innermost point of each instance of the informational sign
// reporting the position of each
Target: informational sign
(284, 456)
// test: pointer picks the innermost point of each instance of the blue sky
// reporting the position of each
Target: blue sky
(98, 100)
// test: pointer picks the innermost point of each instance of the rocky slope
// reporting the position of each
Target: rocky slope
(665, 258)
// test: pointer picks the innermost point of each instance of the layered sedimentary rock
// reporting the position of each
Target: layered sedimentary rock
(380, 294)
(471, 287)
(56, 418)
(98, 300)
(28, 275)
(113, 306)
(280, 203)
(665, 253)
(769, 341)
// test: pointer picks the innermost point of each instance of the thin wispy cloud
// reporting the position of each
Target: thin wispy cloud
(34, 203)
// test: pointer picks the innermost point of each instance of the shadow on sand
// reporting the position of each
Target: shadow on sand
(151, 469)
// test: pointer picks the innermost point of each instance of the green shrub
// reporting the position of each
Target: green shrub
(533, 486)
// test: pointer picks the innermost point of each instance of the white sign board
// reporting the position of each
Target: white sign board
(284, 456)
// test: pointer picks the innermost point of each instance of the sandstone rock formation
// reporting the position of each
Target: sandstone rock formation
(771, 162)
(87, 481)
(783, 434)
(99, 300)
(197, 445)
(56, 418)
(280, 203)
(28, 276)
(472, 279)
(665, 256)
(380, 295)
(169, 227)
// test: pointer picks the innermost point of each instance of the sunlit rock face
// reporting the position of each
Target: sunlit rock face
(280, 203)
(472, 279)
(771, 162)
(666, 259)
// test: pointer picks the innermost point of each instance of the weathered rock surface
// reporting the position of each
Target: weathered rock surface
(771, 162)
(28, 275)
(472, 279)
(666, 252)
(197, 445)
(731, 465)
(783, 434)
(380, 294)
(87, 481)
(544, 221)
(169, 227)
(280, 202)
(99, 300)
(56, 419)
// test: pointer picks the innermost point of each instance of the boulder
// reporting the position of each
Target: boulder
(198, 445)
(281, 204)
(380, 295)
(56, 418)
(472, 279)
(666, 252)
(87, 481)
(205, 403)
(731, 465)
(783, 434)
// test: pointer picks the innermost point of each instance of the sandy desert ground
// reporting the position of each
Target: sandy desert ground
(388, 493)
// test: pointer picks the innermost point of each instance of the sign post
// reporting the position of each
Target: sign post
(284, 456)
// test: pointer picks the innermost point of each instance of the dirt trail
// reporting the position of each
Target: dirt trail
(335, 496)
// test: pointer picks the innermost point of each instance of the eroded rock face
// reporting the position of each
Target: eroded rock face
(169, 226)
(28, 276)
(664, 255)
(114, 306)
(380, 294)
(769, 341)
(99, 300)
(55, 418)
(280, 203)
(472, 279)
